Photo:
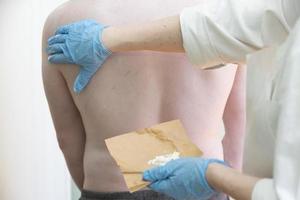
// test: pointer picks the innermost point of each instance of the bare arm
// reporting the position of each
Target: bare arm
(160, 35)
(211, 33)
(66, 118)
(235, 121)
(231, 182)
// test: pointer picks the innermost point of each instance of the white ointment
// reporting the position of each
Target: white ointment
(164, 159)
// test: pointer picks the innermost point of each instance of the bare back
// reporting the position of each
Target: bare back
(136, 90)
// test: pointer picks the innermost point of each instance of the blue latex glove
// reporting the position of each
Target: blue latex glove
(182, 179)
(79, 43)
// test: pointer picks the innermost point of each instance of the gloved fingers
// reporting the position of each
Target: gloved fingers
(82, 80)
(63, 29)
(156, 174)
(161, 186)
(60, 38)
(59, 59)
(56, 48)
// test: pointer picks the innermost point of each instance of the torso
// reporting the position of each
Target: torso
(136, 90)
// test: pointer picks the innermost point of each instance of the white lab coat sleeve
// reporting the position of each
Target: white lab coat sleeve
(222, 31)
(286, 182)
(264, 190)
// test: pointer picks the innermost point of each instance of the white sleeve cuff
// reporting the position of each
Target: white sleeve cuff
(196, 40)
(264, 190)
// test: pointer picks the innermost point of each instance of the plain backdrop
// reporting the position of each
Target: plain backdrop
(31, 164)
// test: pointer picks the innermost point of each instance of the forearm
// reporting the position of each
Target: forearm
(161, 35)
(73, 152)
(230, 181)
(76, 171)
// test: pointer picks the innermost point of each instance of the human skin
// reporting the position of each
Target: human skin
(235, 110)
(133, 91)
(161, 35)
(165, 35)
(230, 181)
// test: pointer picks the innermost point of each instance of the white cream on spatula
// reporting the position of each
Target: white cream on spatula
(164, 159)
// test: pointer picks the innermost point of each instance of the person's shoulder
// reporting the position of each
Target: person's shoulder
(51, 73)
(56, 18)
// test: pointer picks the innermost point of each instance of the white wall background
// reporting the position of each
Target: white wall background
(31, 165)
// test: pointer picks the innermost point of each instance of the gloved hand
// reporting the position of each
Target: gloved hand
(79, 43)
(182, 179)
